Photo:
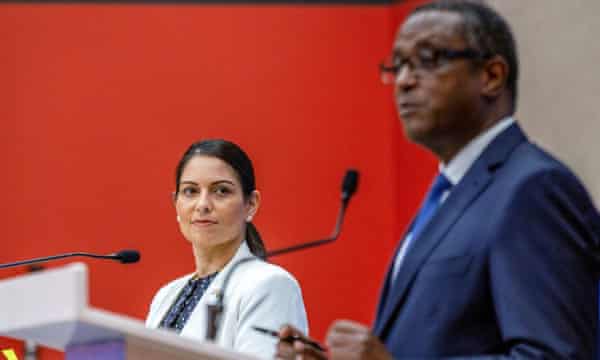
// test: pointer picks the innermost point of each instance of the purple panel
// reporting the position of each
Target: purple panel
(109, 350)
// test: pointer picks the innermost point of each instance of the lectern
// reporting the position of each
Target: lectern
(51, 308)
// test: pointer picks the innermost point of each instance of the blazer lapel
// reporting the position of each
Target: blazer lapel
(464, 193)
(196, 325)
(167, 301)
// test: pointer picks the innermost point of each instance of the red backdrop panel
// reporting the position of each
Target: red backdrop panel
(102, 100)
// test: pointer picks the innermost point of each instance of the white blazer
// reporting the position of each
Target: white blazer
(258, 293)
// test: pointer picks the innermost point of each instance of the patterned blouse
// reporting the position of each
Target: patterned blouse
(186, 302)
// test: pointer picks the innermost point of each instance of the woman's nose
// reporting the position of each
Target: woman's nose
(204, 203)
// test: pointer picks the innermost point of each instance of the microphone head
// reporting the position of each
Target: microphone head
(350, 183)
(127, 256)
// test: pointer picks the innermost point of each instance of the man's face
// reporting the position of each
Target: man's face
(437, 99)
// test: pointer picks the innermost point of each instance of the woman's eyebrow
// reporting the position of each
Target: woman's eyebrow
(224, 181)
(190, 182)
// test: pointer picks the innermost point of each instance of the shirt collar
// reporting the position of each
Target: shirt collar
(458, 166)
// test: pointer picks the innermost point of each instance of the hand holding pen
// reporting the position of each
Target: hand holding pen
(292, 342)
(346, 339)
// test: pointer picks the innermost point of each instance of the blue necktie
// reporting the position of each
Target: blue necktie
(432, 202)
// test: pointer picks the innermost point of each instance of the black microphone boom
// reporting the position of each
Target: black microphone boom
(123, 256)
(349, 185)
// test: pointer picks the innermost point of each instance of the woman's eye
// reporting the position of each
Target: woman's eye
(189, 191)
(222, 190)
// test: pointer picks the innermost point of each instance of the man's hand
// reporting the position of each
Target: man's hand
(349, 340)
(296, 350)
(346, 340)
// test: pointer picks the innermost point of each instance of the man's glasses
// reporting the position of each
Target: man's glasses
(425, 60)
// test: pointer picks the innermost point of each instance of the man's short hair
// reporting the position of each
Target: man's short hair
(486, 31)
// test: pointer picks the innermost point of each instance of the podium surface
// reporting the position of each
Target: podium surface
(52, 309)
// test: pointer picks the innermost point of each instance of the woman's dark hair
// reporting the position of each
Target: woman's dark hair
(235, 157)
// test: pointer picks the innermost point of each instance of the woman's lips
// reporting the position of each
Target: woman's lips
(203, 222)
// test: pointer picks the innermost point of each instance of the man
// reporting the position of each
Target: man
(501, 262)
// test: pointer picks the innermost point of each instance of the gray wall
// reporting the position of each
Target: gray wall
(560, 79)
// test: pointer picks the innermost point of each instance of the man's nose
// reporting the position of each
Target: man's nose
(405, 79)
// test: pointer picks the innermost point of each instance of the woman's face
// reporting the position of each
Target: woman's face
(210, 205)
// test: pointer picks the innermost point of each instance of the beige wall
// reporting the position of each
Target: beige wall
(559, 102)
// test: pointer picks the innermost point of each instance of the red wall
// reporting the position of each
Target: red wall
(100, 101)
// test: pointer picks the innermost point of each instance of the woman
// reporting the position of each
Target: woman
(215, 200)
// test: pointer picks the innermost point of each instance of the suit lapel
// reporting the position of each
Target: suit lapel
(475, 181)
(460, 198)
(385, 289)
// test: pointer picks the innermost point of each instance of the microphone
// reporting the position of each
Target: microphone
(349, 185)
(123, 256)
(126, 256)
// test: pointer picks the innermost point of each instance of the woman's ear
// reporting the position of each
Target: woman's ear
(253, 203)
(174, 201)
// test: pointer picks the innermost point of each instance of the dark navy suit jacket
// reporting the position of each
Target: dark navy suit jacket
(506, 269)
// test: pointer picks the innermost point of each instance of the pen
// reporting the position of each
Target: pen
(290, 338)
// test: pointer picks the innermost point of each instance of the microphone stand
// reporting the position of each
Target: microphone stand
(215, 311)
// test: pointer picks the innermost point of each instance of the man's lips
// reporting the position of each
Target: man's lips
(406, 108)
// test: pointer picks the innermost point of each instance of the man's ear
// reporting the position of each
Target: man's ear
(253, 204)
(494, 77)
